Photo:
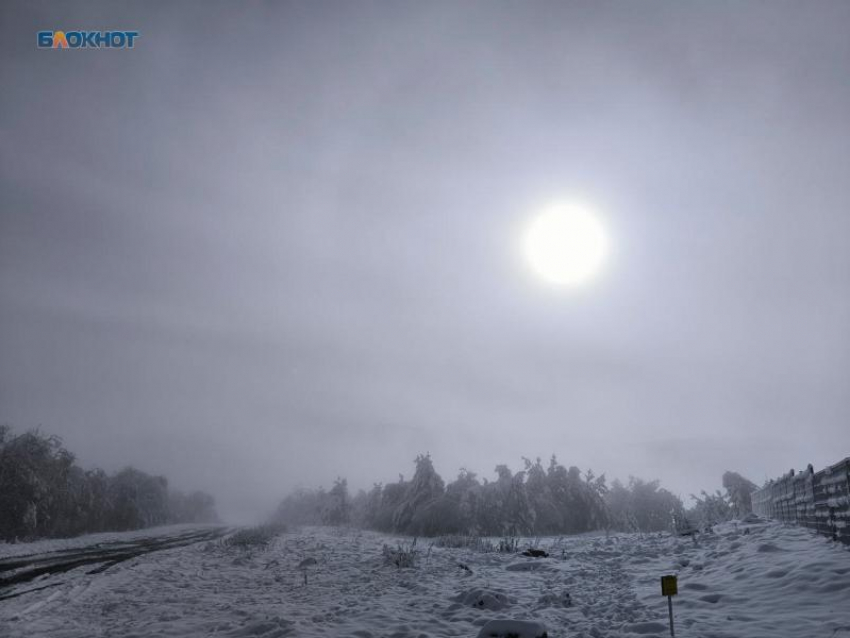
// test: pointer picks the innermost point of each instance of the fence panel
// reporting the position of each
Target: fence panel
(816, 500)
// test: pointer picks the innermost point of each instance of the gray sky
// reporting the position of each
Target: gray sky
(277, 242)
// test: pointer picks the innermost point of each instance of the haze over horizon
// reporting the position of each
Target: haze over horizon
(273, 244)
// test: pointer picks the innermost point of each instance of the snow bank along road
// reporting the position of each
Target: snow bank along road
(747, 580)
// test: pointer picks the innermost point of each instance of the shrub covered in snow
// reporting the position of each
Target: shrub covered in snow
(258, 536)
(404, 555)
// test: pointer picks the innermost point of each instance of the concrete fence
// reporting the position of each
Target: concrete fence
(817, 500)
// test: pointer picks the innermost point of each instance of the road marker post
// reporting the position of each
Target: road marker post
(669, 588)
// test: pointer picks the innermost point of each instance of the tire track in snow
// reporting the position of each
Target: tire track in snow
(24, 569)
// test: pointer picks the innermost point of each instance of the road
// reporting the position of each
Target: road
(21, 575)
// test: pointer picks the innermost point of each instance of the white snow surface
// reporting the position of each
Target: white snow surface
(772, 582)
(8, 550)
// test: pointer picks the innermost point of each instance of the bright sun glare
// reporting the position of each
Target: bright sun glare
(565, 245)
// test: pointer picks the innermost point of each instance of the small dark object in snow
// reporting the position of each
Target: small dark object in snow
(685, 528)
(304, 564)
(512, 629)
(535, 553)
(465, 567)
(746, 531)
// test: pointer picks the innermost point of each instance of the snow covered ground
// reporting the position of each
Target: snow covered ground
(771, 582)
(8, 550)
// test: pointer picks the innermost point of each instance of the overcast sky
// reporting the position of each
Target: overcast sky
(279, 242)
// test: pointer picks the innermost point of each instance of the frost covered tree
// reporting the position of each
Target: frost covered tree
(739, 493)
(642, 506)
(535, 500)
(370, 509)
(197, 507)
(34, 472)
(138, 500)
(655, 508)
(710, 509)
(621, 515)
(516, 517)
(570, 496)
(301, 507)
(43, 493)
(466, 501)
(392, 496)
(546, 516)
(595, 492)
(426, 487)
(337, 506)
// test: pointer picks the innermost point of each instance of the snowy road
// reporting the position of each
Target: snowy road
(22, 569)
(757, 580)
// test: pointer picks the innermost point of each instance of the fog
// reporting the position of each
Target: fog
(277, 243)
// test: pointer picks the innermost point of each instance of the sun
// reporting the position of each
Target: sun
(565, 244)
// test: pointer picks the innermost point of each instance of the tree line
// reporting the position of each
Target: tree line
(44, 493)
(537, 500)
